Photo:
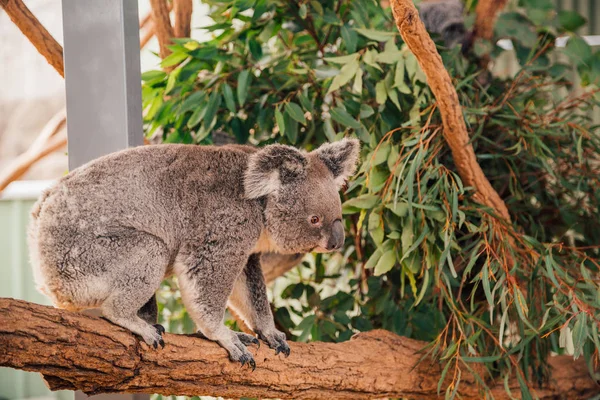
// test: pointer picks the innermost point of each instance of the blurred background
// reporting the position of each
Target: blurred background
(31, 92)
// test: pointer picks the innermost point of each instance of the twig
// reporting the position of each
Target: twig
(149, 34)
(144, 21)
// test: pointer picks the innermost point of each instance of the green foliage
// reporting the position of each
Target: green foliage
(422, 258)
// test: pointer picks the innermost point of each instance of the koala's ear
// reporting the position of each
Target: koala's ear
(271, 167)
(340, 157)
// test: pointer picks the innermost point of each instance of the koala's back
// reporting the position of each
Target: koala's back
(142, 200)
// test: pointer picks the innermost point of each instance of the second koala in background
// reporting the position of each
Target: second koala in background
(106, 235)
(445, 18)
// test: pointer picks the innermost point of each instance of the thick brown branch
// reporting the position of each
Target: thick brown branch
(76, 351)
(162, 25)
(455, 130)
(183, 18)
(485, 19)
(35, 32)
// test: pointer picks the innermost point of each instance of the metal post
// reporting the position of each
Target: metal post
(103, 85)
(102, 77)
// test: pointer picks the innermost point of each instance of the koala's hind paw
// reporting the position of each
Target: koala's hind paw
(276, 341)
(246, 358)
(247, 340)
(160, 330)
(237, 349)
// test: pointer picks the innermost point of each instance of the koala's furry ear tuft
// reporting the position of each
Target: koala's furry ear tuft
(271, 167)
(340, 158)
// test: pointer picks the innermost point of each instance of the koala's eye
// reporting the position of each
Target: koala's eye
(315, 220)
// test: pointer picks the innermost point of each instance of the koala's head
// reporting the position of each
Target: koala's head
(303, 209)
(446, 18)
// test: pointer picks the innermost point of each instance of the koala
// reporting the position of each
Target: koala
(444, 17)
(106, 234)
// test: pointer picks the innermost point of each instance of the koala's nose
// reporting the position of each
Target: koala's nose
(336, 240)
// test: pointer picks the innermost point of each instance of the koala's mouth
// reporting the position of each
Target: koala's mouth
(319, 249)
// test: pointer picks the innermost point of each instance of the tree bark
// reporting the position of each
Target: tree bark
(485, 17)
(183, 18)
(45, 44)
(485, 20)
(78, 352)
(162, 25)
(455, 130)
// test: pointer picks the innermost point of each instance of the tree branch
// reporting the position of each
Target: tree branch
(183, 18)
(45, 44)
(274, 264)
(78, 352)
(485, 18)
(162, 25)
(50, 139)
(147, 35)
(145, 20)
(455, 130)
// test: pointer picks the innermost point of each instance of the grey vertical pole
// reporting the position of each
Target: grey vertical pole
(103, 84)
(102, 77)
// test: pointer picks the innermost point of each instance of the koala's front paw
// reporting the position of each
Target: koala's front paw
(276, 341)
(247, 358)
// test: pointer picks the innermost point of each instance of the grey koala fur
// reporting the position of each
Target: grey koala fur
(106, 235)
(273, 264)
(444, 17)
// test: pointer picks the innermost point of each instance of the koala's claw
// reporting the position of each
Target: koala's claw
(283, 348)
(160, 330)
(276, 341)
(247, 340)
(245, 358)
(157, 342)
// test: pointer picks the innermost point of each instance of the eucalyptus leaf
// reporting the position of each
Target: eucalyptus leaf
(380, 36)
(385, 263)
(244, 80)
(295, 111)
(340, 115)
